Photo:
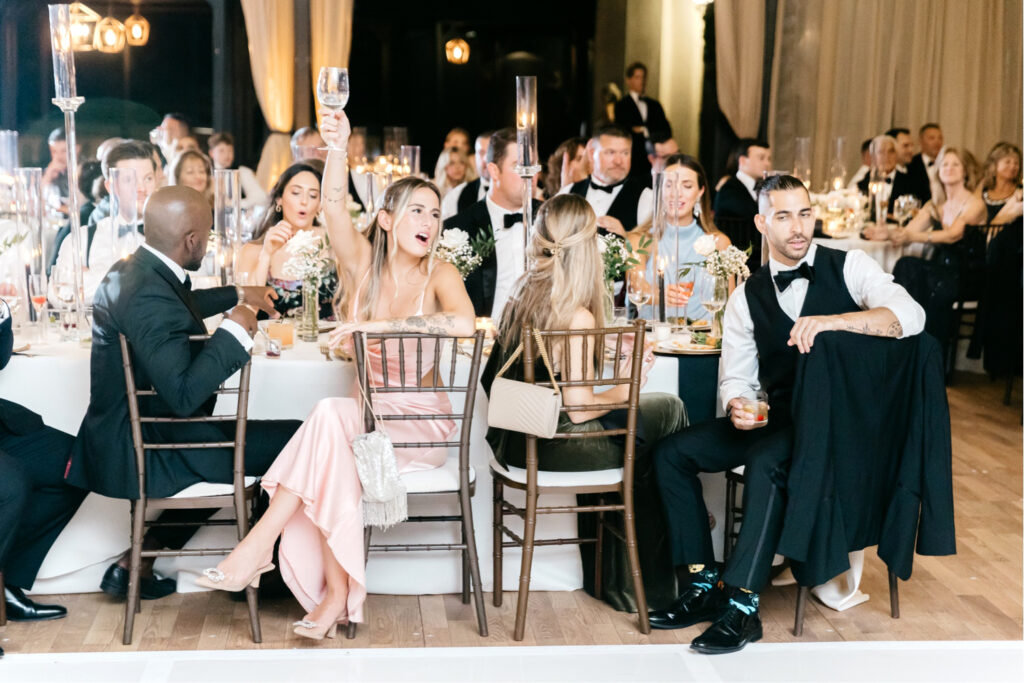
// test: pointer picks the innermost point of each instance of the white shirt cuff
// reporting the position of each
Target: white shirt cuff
(238, 332)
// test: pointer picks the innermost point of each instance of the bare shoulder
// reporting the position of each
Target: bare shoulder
(444, 274)
(722, 241)
(582, 319)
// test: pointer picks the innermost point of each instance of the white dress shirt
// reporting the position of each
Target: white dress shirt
(600, 201)
(869, 287)
(101, 256)
(933, 171)
(509, 251)
(748, 182)
(450, 203)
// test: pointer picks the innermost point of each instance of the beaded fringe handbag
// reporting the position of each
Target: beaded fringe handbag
(525, 407)
(385, 501)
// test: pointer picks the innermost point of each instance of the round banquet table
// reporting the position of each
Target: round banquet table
(884, 252)
(53, 380)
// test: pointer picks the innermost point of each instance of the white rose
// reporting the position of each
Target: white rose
(454, 238)
(301, 241)
(602, 245)
(705, 245)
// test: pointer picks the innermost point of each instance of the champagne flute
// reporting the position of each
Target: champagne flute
(37, 295)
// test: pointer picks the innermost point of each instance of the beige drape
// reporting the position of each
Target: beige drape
(739, 61)
(330, 34)
(855, 69)
(270, 25)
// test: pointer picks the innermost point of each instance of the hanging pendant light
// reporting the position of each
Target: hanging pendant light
(456, 51)
(110, 35)
(137, 28)
(83, 26)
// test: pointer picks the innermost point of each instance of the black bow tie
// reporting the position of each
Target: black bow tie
(931, 163)
(605, 188)
(888, 180)
(784, 278)
(513, 218)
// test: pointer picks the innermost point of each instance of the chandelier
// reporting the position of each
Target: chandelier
(90, 31)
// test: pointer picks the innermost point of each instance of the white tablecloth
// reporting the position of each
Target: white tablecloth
(55, 384)
(884, 252)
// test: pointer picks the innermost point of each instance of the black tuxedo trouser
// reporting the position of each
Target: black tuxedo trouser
(717, 446)
(35, 503)
(264, 439)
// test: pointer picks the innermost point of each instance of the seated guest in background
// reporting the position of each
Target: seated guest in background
(821, 289)
(643, 116)
(688, 217)
(148, 298)
(736, 197)
(463, 196)
(97, 238)
(660, 146)
(1000, 184)
(55, 175)
(188, 143)
(106, 146)
(452, 170)
(865, 165)
(923, 168)
(920, 187)
(568, 164)
(564, 289)
(895, 183)
(731, 166)
(293, 208)
(169, 134)
(458, 138)
(35, 502)
(222, 154)
(307, 144)
(496, 224)
(159, 162)
(90, 185)
(391, 285)
(943, 219)
(193, 169)
(621, 201)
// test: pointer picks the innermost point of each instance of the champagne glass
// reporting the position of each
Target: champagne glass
(332, 87)
(37, 295)
(637, 288)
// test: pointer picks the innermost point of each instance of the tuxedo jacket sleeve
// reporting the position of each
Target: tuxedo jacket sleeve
(733, 200)
(476, 222)
(214, 300)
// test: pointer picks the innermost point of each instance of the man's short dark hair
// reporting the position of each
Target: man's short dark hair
(631, 69)
(658, 137)
(896, 132)
(220, 139)
(56, 135)
(611, 131)
(866, 145)
(87, 175)
(922, 129)
(180, 118)
(130, 149)
(775, 183)
(498, 149)
(743, 145)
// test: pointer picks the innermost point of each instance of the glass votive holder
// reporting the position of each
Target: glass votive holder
(661, 331)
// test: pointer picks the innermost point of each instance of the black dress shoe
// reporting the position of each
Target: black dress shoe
(692, 607)
(730, 633)
(20, 608)
(115, 584)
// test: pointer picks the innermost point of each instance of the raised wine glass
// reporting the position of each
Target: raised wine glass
(332, 87)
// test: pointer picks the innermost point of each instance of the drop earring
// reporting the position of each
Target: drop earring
(696, 210)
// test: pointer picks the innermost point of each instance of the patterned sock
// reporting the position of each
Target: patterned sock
(744, 600)
(703, 576)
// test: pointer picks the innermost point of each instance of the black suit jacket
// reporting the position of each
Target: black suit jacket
(734, 201)
(142, 299)
(15, 418)
(919, 180)
(901, 185)
(627, 116)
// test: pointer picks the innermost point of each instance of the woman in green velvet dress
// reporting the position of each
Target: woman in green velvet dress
(564, 290)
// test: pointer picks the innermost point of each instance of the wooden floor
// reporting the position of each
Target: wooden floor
(975, 594)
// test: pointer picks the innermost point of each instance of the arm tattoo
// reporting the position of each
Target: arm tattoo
(895, 330)
(438, 323)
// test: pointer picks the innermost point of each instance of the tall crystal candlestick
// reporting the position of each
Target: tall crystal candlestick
(67, 99)
(227, 214)
(30, 213)
(527, 165)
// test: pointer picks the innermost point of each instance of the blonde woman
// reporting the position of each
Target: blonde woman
(452, 169)
(193, 169)
(390, 283)
(564, 289)
(1000, 185)
(943, 219)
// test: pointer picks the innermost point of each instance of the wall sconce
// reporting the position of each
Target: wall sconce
(83, 26)
(137, 28)
(110, 35)
(456, 51)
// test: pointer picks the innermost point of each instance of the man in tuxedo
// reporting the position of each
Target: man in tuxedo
(148, 298)
(736, 198)
(821, 289)
(495, 227)
(904, 157)
(641, 115)
(660, 147)
(35, 502)
(865, 165)
(620, 200)
(924, 166)
(884, 158)
(464, 195)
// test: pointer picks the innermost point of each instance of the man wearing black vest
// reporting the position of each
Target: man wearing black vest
(770, 319)
(620, 200)
(464, 195)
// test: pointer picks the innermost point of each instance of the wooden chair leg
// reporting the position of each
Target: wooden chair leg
(3, 603)
(629, 527)
(497, 551)
(350, 631)
(529, 528)
(599, 551)
(465, 567)
(801, 606)
(474, 563)
(133, 603)
(894, 596)
(251, 594)
(730, 519)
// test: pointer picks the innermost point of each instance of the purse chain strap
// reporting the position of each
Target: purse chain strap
(543, 355)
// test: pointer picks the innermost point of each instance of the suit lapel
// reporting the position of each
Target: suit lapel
(144, 256)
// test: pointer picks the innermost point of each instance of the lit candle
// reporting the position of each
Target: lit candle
(526, 122)
(661, 290)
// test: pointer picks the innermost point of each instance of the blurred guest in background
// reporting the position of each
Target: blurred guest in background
(55, 175)
(1000, 184)
(568, 164)
(307, 144)
(459, 138)
(463, 196)
(865, 165)
(643, 116)
(925, 163)
(222, 154)
(193, 169)
(660, 146)
(451, 170)
(919, 185)
(736, 197)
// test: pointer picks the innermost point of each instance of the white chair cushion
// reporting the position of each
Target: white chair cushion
(441, 479)
(544, 478)
(204, 488)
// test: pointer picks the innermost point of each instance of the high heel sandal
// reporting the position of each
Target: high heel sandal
(315, 631)
(215, 579)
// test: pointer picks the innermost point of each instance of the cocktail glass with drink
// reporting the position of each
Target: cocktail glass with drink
(756, 403)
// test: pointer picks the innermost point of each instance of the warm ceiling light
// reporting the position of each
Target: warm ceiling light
(457, 51)
(110, 35)
(137, 29)
(83, 26)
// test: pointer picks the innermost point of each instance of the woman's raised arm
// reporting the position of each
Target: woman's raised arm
(351, 248)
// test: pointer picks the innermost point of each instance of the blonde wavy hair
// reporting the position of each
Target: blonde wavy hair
(566, 272)
(441, 169)
(178, 165)
(395, 202)
(971, 173)
(1000, 151)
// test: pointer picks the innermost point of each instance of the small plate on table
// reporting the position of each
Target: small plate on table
(678, 347)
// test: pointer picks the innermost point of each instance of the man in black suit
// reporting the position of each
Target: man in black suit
(35, 503)
(895, 183)
(641, 115)
(917, 182)
(149, 299)
(735, 203)
(924, 166)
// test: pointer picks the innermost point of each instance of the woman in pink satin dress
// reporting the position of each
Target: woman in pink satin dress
(390, 283)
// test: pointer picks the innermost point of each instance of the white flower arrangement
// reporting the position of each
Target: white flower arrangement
(454, 247)
(727, 262)
(705, 245)
(309, 257)
(619, 255)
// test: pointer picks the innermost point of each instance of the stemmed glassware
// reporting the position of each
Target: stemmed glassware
(37, 295)
(638, 290)
(332, 89)
(904, 208)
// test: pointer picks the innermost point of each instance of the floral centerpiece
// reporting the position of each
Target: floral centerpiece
(309, 261)
(619, 257)
(720, 264)
(454, 247)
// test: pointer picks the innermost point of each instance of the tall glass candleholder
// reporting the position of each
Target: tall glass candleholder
(227, 218)
(29, 191)
(409, 160)
(67, 99)
(658, 220)
(527, 161)
(837, 167)
(8, 180)
(802, 161)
